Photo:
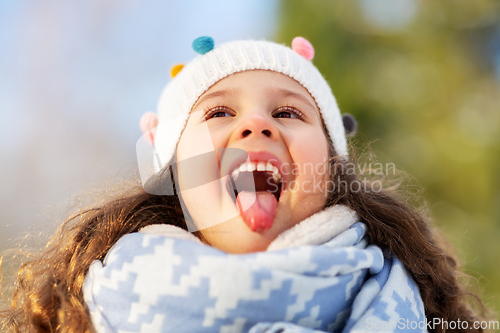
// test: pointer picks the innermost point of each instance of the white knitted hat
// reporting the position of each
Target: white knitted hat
(180, 95)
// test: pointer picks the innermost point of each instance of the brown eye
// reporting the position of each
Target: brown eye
(218, 112)
(285, 115)
(287, 112)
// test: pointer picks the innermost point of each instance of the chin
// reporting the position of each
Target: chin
(247, 248)
(235, 237)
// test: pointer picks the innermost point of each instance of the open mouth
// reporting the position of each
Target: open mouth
(255, 186)
(255, 176)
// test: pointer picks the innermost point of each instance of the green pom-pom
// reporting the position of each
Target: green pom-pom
(203, 44)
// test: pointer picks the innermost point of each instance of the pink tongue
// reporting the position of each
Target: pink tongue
(260, 214)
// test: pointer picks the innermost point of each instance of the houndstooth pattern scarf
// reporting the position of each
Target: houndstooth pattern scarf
(319, 276)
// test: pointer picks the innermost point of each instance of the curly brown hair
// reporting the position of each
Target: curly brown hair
(48, 293)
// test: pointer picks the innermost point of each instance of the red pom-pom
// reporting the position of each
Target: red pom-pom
(303, 47)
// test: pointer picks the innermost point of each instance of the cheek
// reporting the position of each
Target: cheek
(310, 157)
(311, 154)
(196, 158)
(197, 170)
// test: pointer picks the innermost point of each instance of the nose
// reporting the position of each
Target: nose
(257, 126)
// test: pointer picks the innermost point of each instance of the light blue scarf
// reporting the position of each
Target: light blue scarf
(153, 283)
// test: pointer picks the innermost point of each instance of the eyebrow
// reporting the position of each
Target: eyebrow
(280, 92)
(219, 93)
(284, 93)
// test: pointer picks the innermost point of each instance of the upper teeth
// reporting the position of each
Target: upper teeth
(259, 166)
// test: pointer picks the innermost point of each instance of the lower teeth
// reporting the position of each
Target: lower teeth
(254, 182)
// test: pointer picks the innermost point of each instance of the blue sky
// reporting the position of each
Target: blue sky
(112, 54)
(75, 78)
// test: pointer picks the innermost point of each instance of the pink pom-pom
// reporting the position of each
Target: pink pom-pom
(303, 47)
(148, 124)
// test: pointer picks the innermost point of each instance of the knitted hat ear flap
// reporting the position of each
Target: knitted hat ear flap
(350, 124)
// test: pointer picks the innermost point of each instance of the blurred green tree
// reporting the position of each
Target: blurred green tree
(419, 76)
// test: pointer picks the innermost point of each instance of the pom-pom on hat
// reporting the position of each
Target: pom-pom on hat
(203, 44)
(303, 47)
(215, 63)
(176, 69)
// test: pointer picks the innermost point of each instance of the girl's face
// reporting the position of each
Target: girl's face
(276, 121)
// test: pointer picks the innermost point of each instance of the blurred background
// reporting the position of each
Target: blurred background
(421, 77)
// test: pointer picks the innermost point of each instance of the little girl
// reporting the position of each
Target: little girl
(249, 218)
